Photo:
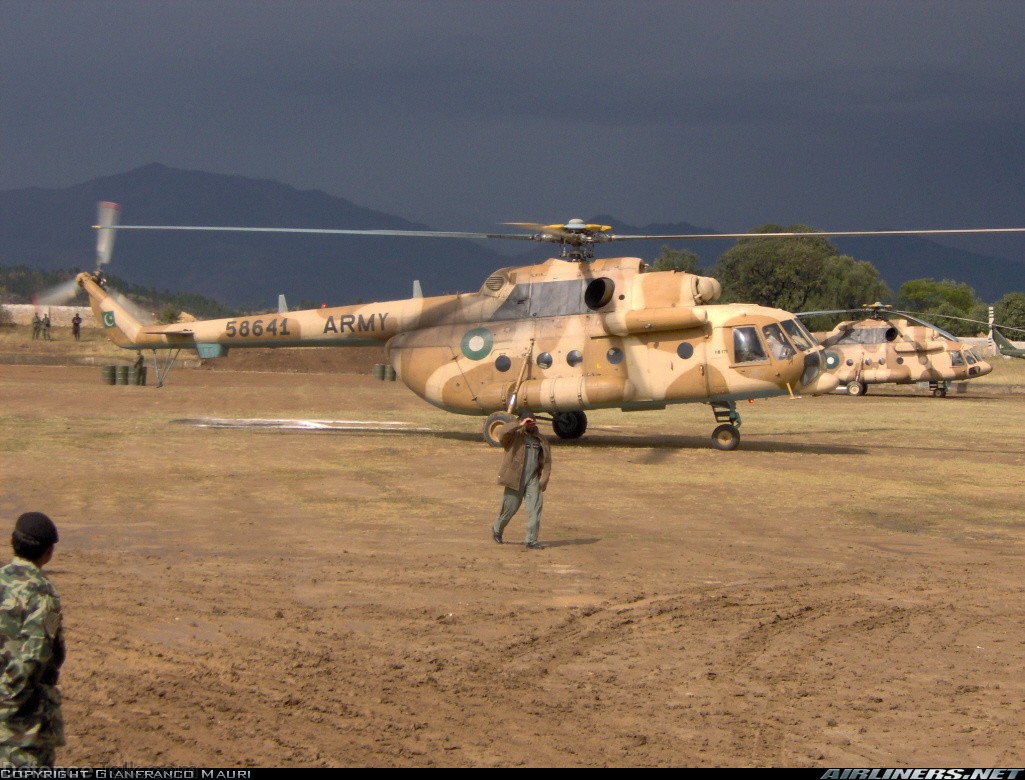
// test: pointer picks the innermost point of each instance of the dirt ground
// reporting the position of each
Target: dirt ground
(843, 590)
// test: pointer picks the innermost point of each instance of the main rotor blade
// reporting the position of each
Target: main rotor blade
(328, 231)
(816, 234)
(548, 236)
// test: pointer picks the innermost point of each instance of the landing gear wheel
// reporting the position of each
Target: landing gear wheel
(939, 392)
(857, 388)
(569, 425)
(492, 424)
(725, 437)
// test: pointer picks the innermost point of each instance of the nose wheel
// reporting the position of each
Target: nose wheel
(726, 436)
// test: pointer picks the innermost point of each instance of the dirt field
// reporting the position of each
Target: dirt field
(844, 590)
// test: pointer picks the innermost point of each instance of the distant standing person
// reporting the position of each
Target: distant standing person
(31, 649)
(526, 466)
(46, 327)
(37, 325)
(76, 326)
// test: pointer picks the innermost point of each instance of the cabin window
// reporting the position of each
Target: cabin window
(544, 360)
(746, 346)
(503, 363)
(685, 350)
(778, 344)
(575, 358)
(615, 356)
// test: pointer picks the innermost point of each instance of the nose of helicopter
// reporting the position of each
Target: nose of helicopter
(980, 369)
(824, 382)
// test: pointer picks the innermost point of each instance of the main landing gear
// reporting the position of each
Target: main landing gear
(939, 389)
(567, 425)
(726, 436)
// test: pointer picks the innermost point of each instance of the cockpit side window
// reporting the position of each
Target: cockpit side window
(970, 356)
(778, 344)
(746, 346)
(956, 359)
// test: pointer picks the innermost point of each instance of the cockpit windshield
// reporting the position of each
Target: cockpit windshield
(778, 344)
(799, 334)
(955, 358)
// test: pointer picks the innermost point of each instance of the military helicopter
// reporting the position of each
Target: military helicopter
(564, 336)
(881, 348)
(1005, 347)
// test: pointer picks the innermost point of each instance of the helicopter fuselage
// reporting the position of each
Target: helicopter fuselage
(893, 351)
(562, 335)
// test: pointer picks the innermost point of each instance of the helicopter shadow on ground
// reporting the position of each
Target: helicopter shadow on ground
(958, 397)
(668, 443)
(661, 443)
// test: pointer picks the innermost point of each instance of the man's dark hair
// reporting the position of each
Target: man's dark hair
(28, 547)
(34, 534)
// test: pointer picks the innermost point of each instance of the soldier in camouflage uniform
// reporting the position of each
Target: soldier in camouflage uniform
(525, 469)
(31, 649)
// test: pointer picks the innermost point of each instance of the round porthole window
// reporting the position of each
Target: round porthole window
(503, 363)
(575, 357)
(544, 360)
(615, 356)
(685, 350)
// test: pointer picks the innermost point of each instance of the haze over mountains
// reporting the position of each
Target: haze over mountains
(51, 229)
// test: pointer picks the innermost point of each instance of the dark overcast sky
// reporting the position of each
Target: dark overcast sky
(843, 115)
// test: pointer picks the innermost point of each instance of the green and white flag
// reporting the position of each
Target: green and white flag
(108, 319)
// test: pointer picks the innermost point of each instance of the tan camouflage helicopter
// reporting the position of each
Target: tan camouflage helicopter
(564, 336)
(881, 348)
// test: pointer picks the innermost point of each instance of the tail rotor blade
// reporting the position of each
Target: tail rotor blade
(107, 217)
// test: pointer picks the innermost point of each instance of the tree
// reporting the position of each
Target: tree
(168, 315)
(951, 305)
(1010, 310)
(797, 274)
(849, 284)
(670, 259)
(778, 272)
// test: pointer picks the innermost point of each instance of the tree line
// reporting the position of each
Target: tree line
(20, 284)
(801, 274)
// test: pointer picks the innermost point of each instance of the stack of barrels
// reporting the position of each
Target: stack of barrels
(123, 375)
(384, 371)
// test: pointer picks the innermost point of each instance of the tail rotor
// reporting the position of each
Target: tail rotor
(107, 218)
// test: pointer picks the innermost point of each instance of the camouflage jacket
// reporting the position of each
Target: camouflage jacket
(31, 653)
(514, 440)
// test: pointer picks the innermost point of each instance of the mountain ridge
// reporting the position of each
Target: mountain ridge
(51, 229)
